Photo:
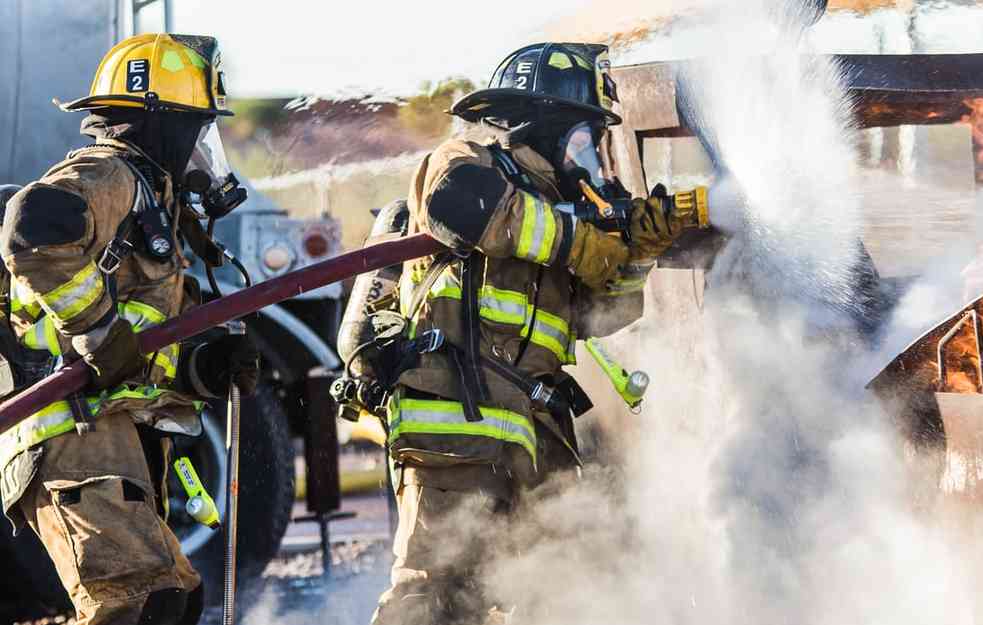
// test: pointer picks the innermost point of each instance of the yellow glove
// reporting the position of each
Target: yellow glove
(596, 256)
(657, 221)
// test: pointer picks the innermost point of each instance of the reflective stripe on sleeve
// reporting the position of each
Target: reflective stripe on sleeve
(142, 316)
(72, 298)
(439, 417)
(21, 299)
(538, 230)
(43, 335)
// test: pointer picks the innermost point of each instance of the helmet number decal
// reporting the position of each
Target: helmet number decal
(137, 75)
(523, 69)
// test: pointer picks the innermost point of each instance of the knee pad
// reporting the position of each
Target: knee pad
(166, 607)
(195, 605)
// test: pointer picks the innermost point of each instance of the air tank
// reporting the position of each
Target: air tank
(371, 289)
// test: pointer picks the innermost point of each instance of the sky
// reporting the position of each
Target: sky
(290, 47)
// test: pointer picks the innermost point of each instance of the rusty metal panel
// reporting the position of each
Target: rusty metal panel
(953, 341)
(648, 95)
(887, 90)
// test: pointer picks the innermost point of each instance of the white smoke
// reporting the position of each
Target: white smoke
(761, 483)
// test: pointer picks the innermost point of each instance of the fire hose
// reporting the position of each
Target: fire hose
(75, 376)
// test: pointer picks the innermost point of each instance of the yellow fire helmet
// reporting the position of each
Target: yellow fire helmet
(159, 72)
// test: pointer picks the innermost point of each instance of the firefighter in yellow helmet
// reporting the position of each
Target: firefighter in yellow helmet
(486, 417)
(93, 252)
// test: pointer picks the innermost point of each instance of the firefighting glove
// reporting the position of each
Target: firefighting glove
(221, 361)
(112, 352)
(596, 256)
(657, 221)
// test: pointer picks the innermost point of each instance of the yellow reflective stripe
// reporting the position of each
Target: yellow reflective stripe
(477, 429)
(447, 285)
(626, 286)
(141, 316)
(166, 359)
(43, 335)
(538, 230)
(53, 420)
(551, 332)
(423, 416)
(23, 299)
(572, 349)
(68, 300)
(502, 306)
(56, 419)
(499, 305)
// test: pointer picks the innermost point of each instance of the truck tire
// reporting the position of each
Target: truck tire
(266, 491)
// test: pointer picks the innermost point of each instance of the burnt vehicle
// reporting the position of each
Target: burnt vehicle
(291, 410)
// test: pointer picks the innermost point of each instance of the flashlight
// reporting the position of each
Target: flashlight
(631, 386)
(200, 506)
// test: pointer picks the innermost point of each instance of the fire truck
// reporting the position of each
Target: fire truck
(291, 411)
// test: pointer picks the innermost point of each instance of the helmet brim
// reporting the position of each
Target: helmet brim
(520, 105)
(100, 101)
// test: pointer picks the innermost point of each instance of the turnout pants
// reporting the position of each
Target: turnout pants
(92, 504)
(452, 522)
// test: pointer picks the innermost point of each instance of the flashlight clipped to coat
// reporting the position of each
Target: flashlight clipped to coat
(631, 386)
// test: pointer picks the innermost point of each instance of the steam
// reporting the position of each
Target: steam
(760, 484)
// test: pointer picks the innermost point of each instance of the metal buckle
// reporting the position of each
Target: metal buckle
(434, 340)
(541, 394)
(112, 258)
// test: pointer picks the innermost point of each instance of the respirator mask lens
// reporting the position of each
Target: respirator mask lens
(209, 175)
(579, 155)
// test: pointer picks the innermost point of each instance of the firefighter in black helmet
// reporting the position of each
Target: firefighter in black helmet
(481, 422)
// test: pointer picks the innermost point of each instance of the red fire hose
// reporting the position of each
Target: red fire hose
(75, 376)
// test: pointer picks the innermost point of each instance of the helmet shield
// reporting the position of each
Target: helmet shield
(210, 176)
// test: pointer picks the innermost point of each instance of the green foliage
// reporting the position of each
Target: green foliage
(254, 114)
(426, 113)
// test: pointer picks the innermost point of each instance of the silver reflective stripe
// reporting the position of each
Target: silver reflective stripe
(77, 296)
(512, 309)
(558, 335)
(538, 233)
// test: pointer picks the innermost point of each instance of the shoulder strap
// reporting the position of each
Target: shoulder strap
(437, 267)
(511, 169)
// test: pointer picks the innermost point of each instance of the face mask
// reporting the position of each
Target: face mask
(579, 158)
(209, 175)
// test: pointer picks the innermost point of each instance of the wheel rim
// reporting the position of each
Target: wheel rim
(207, 453)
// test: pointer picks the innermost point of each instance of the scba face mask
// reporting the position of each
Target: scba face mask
(209, 175)
(579, 158)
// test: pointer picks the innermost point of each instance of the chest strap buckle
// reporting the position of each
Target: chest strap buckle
(114, 255)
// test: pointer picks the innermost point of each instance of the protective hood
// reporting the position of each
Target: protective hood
(166, 138)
